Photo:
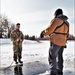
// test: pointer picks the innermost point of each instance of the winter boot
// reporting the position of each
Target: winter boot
(20, 61)
(16, 62)
(53, 73)
(59, 72)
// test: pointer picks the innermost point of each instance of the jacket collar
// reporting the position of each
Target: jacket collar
(63, 17)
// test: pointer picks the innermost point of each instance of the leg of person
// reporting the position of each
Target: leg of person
(15, 54)
(20, 54)
(49, 56)
(53, 52)
(15, 57)
(60, 61)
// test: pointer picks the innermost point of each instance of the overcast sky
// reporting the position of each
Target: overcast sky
(35, 15)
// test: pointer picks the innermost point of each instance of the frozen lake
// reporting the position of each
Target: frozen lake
(32, 51)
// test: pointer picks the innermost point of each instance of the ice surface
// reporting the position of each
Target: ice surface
(34, 51)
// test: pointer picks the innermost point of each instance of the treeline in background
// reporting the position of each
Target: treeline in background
(6, 26)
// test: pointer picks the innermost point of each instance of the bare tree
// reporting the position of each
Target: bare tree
(12, 27)
(5, 26)
(1, 29)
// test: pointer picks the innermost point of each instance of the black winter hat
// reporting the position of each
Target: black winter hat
(58, 12)
(18, 24)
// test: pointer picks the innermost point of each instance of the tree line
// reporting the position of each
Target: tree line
(5, 26)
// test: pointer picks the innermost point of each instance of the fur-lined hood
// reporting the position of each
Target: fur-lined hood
(63, 17)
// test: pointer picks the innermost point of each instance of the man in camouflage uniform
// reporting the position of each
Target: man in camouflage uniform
(17, 38)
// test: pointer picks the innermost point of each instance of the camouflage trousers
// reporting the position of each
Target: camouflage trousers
(17, 52)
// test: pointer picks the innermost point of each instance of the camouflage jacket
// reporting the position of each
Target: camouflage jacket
(16, 34)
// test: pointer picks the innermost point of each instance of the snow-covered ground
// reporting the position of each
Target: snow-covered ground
(32, 50)
(35, 51)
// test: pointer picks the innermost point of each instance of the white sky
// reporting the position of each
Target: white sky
(35, 15)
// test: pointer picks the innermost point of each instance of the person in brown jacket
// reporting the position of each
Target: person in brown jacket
(58, 30)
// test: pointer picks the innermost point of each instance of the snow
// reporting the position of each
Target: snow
(8, 41)
(34, 51)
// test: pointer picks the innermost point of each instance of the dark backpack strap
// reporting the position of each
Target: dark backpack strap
(60, 33)
(59, 26)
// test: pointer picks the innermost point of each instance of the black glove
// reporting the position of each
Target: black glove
(41, 34)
